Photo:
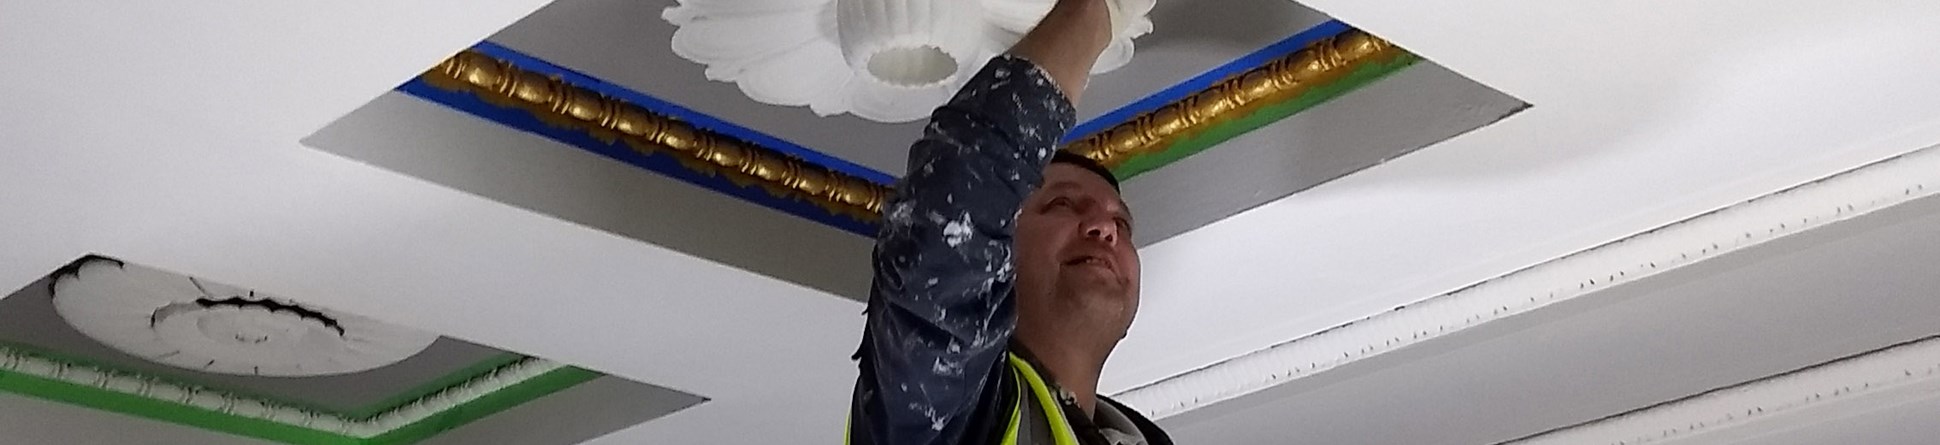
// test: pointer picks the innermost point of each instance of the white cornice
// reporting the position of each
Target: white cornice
(1814, 204)
(1875, 379)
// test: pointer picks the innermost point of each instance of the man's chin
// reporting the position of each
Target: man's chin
(1102, 309)
(1098, 291)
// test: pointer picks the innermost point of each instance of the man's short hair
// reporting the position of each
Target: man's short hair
(1066, 157)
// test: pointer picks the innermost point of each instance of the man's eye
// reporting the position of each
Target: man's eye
(1059, 201)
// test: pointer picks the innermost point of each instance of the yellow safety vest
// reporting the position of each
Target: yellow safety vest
(1027, 376)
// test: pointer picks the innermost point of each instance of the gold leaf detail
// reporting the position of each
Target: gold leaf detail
(1324, 61)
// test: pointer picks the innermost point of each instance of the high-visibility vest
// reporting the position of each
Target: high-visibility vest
(1029, 380)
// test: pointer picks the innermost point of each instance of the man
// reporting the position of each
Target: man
(1004, 274)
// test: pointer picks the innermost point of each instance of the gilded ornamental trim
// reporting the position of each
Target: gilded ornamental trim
(1320, 63)
(557, 102)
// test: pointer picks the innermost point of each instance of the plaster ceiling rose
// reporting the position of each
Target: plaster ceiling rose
(204, 326)
(882, 60)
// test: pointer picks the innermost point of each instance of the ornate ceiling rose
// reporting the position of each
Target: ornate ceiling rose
(882, 60)
(204, 326)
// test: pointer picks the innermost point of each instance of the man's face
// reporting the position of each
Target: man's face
(1076, 266)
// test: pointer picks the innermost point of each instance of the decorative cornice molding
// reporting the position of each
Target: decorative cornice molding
(557, 102)
(1322, 62)
(1838, 197)
(1887, 377)
(560, 102)
(80, 380)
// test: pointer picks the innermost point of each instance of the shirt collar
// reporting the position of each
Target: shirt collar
(1116, 427)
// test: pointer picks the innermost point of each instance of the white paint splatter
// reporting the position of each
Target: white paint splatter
(941, 367)
(901, 213)
(956, 232)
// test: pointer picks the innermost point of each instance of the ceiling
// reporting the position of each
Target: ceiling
(462, 387)
(28, 319)
(37, 421)
(1896, 425)
(411, 135)
(500, 158)
(571, 416)
(625, 42)
(1763, 323)
(175, 142)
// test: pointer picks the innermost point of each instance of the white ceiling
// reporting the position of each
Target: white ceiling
(167, 134)
(398, 132)
(31, 421)
(1715, 103)
(409, 135)
(1910, 424)
(1771, 308)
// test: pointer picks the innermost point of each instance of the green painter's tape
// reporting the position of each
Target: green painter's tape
(489, 404)
(461, 376)
(198, 417)
(166, 411)
(1221, 132)
(400, 399)
(103, 366)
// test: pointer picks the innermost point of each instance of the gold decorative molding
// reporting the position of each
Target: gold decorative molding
(556, 102)
(1320, 63)
(609, 119)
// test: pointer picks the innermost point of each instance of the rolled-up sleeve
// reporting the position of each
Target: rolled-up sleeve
(940, 311)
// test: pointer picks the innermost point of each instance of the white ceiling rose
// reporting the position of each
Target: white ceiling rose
(210, 327)
(882, 60)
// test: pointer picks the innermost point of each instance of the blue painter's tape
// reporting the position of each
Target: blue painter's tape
(1206, 80)
(663, 163)
(665, 108)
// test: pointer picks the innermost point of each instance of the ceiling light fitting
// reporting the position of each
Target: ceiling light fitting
(882, 60)
(203, 326)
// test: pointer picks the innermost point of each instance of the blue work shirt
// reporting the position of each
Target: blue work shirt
(941, 306)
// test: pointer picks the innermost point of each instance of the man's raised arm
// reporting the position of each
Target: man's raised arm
(940, 312)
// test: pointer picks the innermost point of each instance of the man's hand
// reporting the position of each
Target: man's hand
(1067, 43)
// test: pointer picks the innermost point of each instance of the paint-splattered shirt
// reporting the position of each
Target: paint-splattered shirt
(940, 309)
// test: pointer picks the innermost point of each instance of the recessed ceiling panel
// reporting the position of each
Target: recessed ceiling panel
(424, 139)
(1209, 119)
(52, 347)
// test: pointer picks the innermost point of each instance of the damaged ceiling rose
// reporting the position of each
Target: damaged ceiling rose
(882, 60)
(210, 327)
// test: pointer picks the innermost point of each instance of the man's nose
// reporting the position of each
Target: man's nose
(1102, 229)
